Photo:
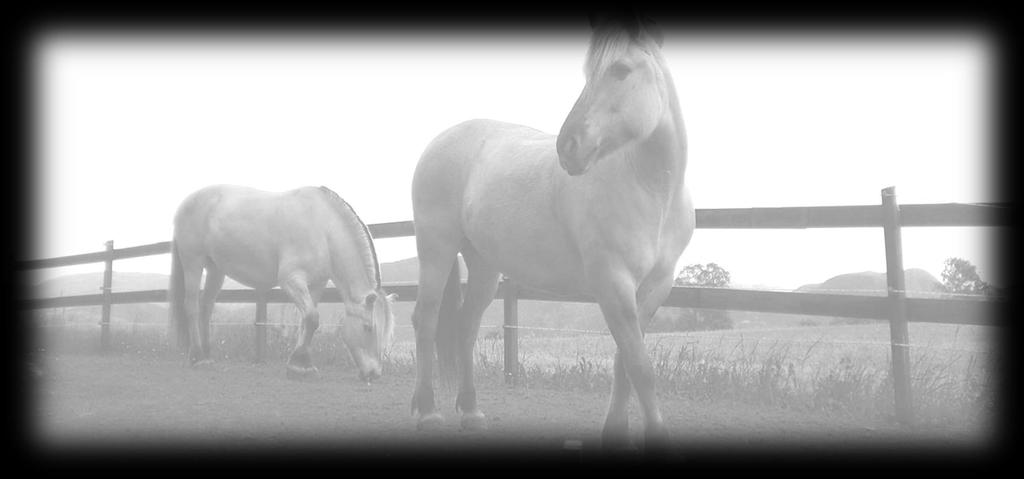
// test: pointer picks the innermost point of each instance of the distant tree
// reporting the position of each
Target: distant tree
(709, 275)
(960, 276)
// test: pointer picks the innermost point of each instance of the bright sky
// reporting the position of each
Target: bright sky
(129, 125)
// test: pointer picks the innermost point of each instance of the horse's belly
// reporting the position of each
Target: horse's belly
(231, 247)
(526, 244)
(534, 268)
(254, 274)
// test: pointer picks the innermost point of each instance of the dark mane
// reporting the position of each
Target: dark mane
(345, 208)
(612, 34)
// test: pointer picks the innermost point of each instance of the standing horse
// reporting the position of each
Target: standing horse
(297, 240)
(612, 228)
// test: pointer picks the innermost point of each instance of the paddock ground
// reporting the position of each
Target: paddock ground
(86, 400)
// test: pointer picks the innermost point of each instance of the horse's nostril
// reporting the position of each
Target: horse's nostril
(567, 144)
(571, 145)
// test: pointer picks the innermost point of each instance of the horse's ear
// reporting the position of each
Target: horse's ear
(653, 30)
(638, 23)
(634, 22)
(600, 17)
(392, 297)
(632, 25)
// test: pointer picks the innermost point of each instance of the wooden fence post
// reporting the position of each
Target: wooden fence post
(108, 276)
(899, 335)
(261, 326)
(510, 336)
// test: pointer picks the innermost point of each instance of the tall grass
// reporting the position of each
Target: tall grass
(948, 387)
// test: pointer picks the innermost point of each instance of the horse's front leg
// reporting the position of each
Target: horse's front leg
(616, 293)
(651, 294)
(300, 364)
(615, 434)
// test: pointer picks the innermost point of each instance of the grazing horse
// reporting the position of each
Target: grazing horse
(297, 240)
(599, 210)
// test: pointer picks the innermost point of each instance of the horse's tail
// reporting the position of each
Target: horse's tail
(176, 298)
(450, 330)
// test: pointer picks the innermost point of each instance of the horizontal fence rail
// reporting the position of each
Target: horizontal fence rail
(969, 311)
(796, 217)
(864, 216)
(894, 306)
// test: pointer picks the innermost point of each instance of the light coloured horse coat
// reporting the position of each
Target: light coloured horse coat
(298, 240)
(600, 210)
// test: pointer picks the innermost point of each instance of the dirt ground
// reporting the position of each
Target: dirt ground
(125, 401)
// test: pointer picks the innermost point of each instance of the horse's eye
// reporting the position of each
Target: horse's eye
(368, 327)
(619, 71)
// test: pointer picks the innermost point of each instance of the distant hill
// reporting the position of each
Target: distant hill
(408, 270)
(532, 313)
(90, 283)
(400, 271)
(918, 283)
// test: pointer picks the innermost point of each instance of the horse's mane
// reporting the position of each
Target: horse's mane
(612, 35)
(344, 209)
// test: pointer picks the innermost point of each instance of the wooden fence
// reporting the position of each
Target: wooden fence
(896, 307)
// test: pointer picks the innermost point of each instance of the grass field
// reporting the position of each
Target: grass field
(820, 366)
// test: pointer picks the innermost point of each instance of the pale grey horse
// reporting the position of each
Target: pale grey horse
(297, 240)
(601, 210)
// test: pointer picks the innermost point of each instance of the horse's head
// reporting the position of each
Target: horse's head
(367, 331)
(625, 95)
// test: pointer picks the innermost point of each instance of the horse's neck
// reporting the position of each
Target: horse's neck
(658, 163)
(352, 269)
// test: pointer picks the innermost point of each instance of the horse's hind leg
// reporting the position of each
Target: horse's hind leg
(192, 273)
(481, 286)
(300, 364)
(212, 286)
(436, 260)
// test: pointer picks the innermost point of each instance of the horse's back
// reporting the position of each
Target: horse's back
(225, 199)
(248, 232)
(449, 160)
(209, 205)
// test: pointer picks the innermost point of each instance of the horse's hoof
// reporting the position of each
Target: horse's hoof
(299, 373)
(429, 422)
(657, 446)
(474, 421)
(618, 444)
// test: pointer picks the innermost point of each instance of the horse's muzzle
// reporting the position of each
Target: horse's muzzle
(573, 168)
(572, 156)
